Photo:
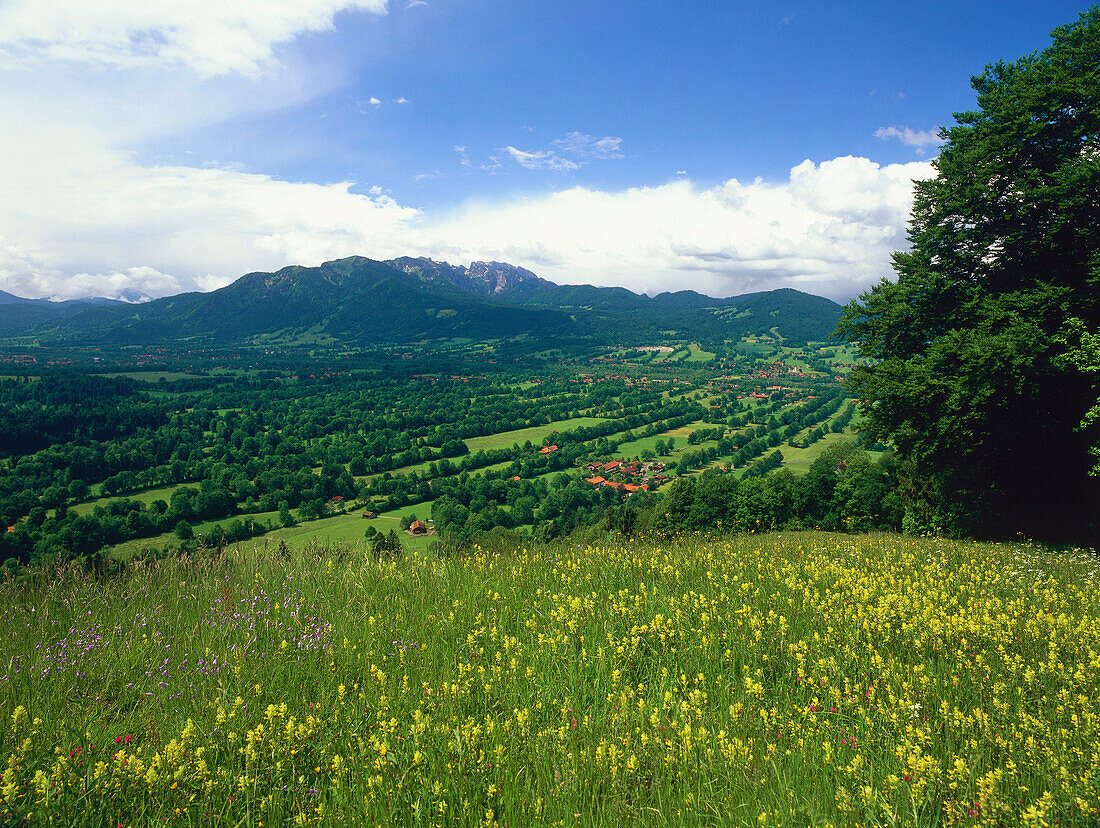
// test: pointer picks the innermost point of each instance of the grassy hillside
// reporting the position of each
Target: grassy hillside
(801, 678)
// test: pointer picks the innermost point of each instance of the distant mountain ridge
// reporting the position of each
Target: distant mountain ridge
(363, 301)
(482, 278)
(18, 313)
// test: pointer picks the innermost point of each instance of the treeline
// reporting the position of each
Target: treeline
(776, 426)
(549, 507)
(843, 491)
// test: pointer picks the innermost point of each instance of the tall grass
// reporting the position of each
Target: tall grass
(801, 678)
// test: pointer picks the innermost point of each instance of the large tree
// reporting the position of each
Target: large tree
(975, 371)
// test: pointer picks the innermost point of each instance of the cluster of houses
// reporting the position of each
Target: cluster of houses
(631, 477)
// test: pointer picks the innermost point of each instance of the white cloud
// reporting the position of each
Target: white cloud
(918, 139)
(90, 221)
(229, 36)
(829, 229)
(101, 223)
(541, 160)
(145, 280)
(573, 151)
(587, 146)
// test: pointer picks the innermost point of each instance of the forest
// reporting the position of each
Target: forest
(94, 459)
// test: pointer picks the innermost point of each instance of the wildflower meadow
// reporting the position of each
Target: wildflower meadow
(784, 679)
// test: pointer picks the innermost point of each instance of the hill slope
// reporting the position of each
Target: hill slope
(356, 300)
(18, 313)
(812, 678)
(361, 301)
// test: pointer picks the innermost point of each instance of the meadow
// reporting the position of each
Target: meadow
(796, 678)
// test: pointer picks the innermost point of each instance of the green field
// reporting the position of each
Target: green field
(634, 448)
(128, 549)
(536, 434)
(697, 354)
(798, 460)
(148, 496)
(793, 679)
(505, 439)
(350, 529)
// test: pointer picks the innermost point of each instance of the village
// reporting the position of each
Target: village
(624, 476)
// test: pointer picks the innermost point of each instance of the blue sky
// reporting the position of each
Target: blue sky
(721, 146)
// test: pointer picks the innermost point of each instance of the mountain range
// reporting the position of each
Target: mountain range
(362, 301)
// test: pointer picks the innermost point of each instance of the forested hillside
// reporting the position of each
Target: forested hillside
(359, 302)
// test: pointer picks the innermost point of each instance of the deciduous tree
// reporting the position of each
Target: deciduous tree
(972, 376)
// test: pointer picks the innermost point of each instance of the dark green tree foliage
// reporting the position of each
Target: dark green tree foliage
(1087, 358)
(843, 491)
(386, 546)
(184, 530)
(972, 378)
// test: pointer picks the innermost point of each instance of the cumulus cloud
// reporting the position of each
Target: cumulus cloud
(377, 102)
(99, 222)
(209, 38)
(918, 139)
(106, 224)
(125, 285)
(829, 229)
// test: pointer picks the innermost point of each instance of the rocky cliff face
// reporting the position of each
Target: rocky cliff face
(481, 278)
(491, 278)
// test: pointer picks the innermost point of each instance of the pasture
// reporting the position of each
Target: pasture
(796, 678)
